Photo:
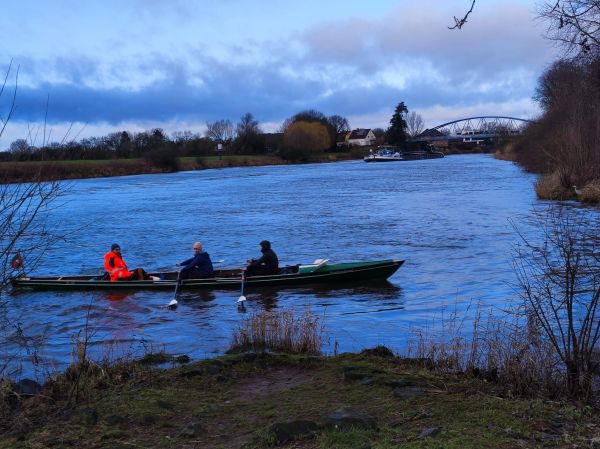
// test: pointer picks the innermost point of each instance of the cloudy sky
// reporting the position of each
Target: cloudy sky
(132, 65)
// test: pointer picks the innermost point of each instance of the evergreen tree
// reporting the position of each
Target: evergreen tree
(124, 148)
(396, 133)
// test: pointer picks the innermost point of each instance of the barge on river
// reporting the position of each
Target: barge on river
(319, 272)
(387, 153)
(384, 154)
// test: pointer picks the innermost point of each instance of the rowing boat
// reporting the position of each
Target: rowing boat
(320, 272)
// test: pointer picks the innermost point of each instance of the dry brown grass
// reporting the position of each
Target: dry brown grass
(591, 192)
(506, 152)
(279, 331)
(553, 187)
(507, 351)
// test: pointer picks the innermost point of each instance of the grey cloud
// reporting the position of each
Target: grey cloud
(481, 63)
(496, 38)
(227, 92)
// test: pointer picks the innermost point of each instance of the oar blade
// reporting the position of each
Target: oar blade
(173, 304)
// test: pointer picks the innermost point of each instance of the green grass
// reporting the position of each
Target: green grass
(235, 400)
(230, 157)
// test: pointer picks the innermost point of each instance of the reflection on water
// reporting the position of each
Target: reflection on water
(196, 299)
(114, 296)
(267, 297)
(449, 218)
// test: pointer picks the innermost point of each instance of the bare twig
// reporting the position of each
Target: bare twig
(574, 24)
(460, 22)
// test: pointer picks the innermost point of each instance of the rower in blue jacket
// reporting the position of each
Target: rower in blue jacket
(199, 266)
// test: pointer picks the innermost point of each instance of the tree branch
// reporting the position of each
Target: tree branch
(460, 22)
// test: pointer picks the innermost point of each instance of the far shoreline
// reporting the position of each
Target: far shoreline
(62, 170)
(45, 171)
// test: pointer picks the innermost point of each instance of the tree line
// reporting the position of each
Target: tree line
(300, 136)
(305, 132)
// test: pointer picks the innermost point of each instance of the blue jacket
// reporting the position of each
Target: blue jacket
(200, 263)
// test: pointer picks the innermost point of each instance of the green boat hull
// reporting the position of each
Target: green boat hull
(226, 279)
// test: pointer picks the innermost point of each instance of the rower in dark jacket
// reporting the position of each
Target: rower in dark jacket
(266, 264)
(199, 266)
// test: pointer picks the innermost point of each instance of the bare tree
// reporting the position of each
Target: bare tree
(414, 124)
(25, 233)
(339, 124)
(220, 131)
(22, 208)
(573, 23)
(285, 125)
(183, 136)
(559, 281)
(248, 136)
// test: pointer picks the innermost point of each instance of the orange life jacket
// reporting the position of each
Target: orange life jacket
(114, 264)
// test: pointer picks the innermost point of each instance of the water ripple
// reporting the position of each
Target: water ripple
(450, 219)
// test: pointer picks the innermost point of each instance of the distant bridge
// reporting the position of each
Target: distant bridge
(474, 129)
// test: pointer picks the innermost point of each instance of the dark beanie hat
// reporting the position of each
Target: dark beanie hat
(114, 246)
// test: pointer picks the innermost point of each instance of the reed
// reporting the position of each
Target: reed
(508, 351)
(283, 331)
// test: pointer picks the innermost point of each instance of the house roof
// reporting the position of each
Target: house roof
(341, 137)
(431, 133)
(359, 133)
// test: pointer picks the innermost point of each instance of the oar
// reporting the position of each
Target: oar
(242, 298)
(173, 303)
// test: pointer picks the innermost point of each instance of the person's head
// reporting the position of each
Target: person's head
(115, 248)
(265, 245)
(197, 247)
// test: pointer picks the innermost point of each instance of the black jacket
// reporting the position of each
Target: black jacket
(268, 263)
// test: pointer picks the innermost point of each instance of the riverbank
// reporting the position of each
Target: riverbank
(13, 172)
(557, 185)
(258, 400)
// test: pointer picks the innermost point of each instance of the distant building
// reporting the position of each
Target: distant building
(341, 139)
(434, 137)
(361, 137)
(428, 134)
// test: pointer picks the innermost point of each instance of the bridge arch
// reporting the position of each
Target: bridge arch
(487, 124)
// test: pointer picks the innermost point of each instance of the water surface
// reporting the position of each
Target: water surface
(449, 218)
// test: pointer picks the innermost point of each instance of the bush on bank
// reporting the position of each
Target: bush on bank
(564, 139)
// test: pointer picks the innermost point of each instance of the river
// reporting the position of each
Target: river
(451, 219)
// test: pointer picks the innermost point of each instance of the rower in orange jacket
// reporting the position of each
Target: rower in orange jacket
(117, 269)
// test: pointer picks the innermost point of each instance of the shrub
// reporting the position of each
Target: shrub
(504, 350)
(552, 187)
(302, 139)
(565, 137)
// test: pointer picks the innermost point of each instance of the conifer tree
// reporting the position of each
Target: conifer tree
(396, 133)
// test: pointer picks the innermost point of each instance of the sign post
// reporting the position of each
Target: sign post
(219, 149)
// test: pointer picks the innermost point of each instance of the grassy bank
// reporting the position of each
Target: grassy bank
(56, 170)
(259, 400)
